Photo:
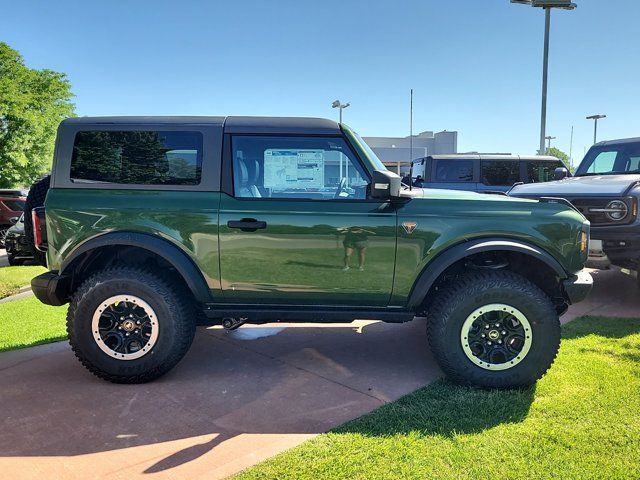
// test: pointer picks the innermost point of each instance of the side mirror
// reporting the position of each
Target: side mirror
(560, 173)
(385, 185)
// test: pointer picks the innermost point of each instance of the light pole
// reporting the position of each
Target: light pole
(548, 139)
(547, 5)
(595, 119)
(341, 106)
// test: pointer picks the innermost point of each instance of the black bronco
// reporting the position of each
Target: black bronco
(606, 189)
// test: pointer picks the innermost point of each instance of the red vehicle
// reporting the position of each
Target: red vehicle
(11, 207)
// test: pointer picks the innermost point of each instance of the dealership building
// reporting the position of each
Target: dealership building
(396, 152)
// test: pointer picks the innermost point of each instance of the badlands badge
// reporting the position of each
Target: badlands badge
(409, 227)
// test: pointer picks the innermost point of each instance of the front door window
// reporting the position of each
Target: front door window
(309, 168)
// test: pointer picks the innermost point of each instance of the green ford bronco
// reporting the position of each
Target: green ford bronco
(153, 225)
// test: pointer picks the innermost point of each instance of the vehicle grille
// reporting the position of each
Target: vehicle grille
(588, 205)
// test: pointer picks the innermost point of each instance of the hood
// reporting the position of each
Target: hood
(591, 186)
(436, 193)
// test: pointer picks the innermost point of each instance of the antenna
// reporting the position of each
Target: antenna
(571, 149)
(411, 141)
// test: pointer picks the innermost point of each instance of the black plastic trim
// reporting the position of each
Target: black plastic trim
(165, 249)
(51, 288)
(273, 313)
(447, 258)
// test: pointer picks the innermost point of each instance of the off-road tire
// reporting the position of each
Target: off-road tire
(13, 262)
(175, 316)
(459, 299)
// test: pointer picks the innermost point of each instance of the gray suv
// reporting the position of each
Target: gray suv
(606, 189)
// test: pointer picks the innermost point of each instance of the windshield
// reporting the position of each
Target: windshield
(357, 140)
(610, 160)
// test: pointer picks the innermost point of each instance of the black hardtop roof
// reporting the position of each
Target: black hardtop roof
(231, 124)
(543, 158)
(621, 141)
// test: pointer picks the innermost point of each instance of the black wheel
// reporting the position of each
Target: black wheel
(493, 330)
(13, 262)
(129, 325)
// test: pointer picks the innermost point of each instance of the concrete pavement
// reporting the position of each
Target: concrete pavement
(235, 399)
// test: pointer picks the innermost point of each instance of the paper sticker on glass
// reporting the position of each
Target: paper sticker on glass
(293, 168)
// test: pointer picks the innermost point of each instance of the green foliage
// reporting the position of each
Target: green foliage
(27, 322)
(12, 278)
(556, 152)
(32, 104)
(580, 421)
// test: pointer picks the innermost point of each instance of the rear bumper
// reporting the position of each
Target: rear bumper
(577, 287)
(51, 288)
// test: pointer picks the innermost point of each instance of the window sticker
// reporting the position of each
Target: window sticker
(293, 168)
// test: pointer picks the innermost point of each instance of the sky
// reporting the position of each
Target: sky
(475, 65)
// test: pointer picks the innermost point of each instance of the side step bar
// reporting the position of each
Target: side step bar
(304, 314)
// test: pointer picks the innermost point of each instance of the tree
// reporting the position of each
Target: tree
(556, 152)
(32, 104)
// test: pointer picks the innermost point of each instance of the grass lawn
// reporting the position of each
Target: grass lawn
(12, 278)
(580, 421)
(28, 322)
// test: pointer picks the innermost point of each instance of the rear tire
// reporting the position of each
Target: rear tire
(105, 330)
(514, 354)
(13, 262)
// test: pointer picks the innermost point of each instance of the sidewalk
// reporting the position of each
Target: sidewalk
(236, 399)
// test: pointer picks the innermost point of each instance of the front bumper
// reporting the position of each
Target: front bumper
(620, 244)
(577, 287)
(51, 288)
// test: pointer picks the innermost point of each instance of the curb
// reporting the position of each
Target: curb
(24, 292)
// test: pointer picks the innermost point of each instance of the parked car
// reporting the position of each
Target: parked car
(484, 173)
(11, 207)
(156, 224)
(18, 248)
(606, 189)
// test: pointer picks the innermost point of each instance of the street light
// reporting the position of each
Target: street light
(547, 5)
(595, 118)
(549, 144)
(341, 106)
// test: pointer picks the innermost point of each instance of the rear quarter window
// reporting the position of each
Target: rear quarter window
(499, 172)
(453, 171)
(14, 205)
(140, 157)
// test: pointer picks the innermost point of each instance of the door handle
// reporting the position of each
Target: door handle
(247, 224)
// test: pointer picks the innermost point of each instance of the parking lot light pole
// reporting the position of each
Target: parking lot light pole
(341, 106)
(548, 139)
(547, 5)
(595, 119)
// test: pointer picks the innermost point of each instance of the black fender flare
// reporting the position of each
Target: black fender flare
(161, 247)
(451, 255)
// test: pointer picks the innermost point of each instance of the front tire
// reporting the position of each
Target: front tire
(129, 325)
(493, 330)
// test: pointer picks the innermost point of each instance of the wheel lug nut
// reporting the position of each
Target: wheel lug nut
(121, 318)
(499, 341)
(486, 326)
(489, 343)
(483, 335)
(504, 332)
(127, 334)
(497, 324)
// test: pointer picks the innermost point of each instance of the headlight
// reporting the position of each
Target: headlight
(616, 210)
